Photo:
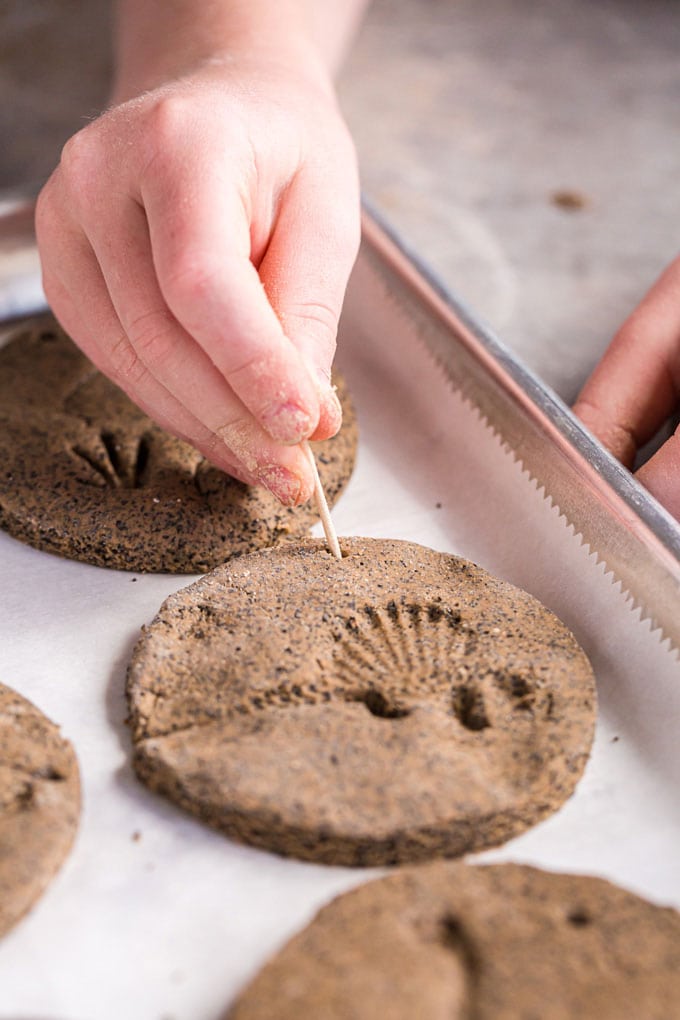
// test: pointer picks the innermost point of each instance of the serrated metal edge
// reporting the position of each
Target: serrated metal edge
(637, 605)
(598, 559)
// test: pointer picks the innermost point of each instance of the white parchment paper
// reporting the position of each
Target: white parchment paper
(155, 917)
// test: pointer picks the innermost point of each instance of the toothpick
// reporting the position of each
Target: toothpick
(322, 506)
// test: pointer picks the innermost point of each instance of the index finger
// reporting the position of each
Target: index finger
(200, 240)
(636, 385)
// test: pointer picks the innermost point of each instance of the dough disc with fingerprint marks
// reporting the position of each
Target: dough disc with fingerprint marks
(505, 942)
(87, 475)
(39, 804)
(393, 706)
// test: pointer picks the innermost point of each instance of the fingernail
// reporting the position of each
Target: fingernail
(287, 423)
(287, 487)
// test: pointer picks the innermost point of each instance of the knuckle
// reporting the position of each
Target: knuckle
(150, 336)
(323, 314)
(77, 163)
(166, 123)
(169, 114)
(313, 317)
(126, 368)
(188, 280)
(81, 170)
(256, 361)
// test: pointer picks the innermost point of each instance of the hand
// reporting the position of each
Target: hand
(636, 387)
(196, 243)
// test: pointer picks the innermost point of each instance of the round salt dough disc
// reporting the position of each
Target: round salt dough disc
(449, 942)
(396, 705)
(39, 804)
(87, 475)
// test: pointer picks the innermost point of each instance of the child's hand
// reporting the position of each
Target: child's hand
(636, 387)
(196, 243)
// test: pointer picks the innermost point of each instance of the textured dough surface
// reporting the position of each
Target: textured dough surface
(88, 475)
(39, 804)
(396, 705)
(452, 942)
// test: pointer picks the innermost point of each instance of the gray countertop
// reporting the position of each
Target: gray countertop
(471, 119)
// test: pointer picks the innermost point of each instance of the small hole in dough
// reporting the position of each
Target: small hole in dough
(377, 705)
(469, 708)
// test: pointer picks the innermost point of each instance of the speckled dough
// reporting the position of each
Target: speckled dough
(451, 942)
(393, 706)
(39, 804)
(85, 474)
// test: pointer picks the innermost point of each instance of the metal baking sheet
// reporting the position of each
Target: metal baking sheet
(21, 290)
(632, 533)
(153, 916)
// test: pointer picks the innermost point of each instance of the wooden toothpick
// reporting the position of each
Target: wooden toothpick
(322, 506)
